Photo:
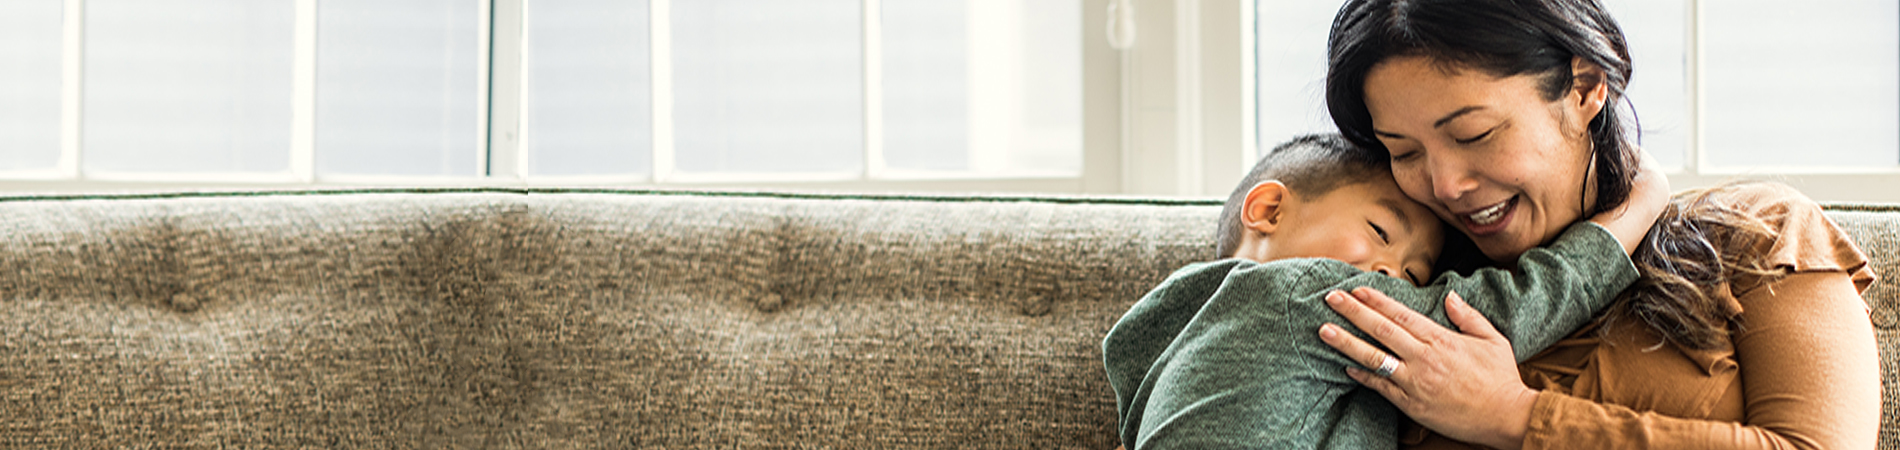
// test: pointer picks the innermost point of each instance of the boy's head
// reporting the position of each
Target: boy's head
(1317, 196)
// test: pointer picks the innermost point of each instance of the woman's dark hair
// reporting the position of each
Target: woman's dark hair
(1542, 38)
(1695, 252)
(1503, 38)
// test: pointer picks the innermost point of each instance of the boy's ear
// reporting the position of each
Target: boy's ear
(1264, 205)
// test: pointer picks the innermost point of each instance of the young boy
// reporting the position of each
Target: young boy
(1226, 354)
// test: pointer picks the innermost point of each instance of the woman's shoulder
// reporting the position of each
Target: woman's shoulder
(1766, 200)
(1794, 234)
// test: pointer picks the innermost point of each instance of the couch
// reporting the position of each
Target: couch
(575, 318)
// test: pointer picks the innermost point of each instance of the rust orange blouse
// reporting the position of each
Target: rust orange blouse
(1799, 371)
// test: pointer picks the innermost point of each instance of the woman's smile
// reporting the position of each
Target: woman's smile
(1489, 220)
(1491, 155)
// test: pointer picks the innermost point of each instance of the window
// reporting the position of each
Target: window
(702, 92)
(1723, 89)
(30, 86)
(399, 88)
(1811, 86)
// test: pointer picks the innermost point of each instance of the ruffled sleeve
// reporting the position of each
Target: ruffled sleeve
(1805, 348)
(1806, 240)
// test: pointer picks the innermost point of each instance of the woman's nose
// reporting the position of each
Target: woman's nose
(1451, 176)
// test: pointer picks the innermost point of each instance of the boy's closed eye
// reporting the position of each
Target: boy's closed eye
(1383, 237)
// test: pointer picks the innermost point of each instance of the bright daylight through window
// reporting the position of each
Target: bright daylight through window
(1802, 94)
(619, 92)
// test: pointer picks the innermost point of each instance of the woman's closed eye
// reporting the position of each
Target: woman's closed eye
(1475, 139)
(1404, 157)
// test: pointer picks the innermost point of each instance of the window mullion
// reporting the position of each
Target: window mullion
(661, 17)
(303, 103)
(484, 66)
(71, 105)
(1695, 162)
(507, 59)
(1104, 106)
(873, 89)
(1249, 96)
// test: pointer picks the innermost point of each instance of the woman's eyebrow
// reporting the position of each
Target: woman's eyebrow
(1455, 115)
(1437, 124)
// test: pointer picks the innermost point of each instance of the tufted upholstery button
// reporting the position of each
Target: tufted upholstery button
(771, 302)
(184, 302)
(1037, 306)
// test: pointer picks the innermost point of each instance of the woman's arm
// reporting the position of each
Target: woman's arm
(1810, 379)
(1809, 371)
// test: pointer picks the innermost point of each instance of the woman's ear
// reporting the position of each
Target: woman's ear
(1592, 88)
(1265, 205)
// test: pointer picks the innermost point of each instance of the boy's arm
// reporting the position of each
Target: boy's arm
(1649, 196)
(1560, 288)
(1556, 289)
(1148, 329)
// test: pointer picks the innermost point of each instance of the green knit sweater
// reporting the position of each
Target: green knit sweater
(1226, 354)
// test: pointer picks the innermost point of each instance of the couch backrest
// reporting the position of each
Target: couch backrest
(554, 319)
(562, 318)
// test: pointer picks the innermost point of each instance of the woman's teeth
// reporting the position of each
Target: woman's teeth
(1489, 215)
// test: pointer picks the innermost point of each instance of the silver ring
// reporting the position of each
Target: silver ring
(1386, 367)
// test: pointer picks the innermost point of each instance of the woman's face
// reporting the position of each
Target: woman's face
(1489, 155)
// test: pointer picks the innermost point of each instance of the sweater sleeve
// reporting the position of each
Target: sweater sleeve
(1805, 348)
(1556, 290)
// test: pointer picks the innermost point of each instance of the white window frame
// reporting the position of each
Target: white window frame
(1822, 183)
(1171, 116)
(500, 157)
(1210, 73)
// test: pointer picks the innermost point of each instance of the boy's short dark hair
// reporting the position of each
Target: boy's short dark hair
(1311, 166)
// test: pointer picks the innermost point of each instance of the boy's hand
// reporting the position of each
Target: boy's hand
(1649, 195)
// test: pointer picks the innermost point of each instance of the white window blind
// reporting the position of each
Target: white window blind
(725, 92)
(397, 89)
(1290, 53)
(30, 42)
(587, 100)
(763, 86)
(187, 86)
(1046, 136)
(926, 84)
(1657, 32)
(1816, 84)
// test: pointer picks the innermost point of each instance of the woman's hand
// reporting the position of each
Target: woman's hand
(1462, 385)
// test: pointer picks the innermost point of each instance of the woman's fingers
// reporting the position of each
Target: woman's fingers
(1383, 385)
(1379, 324)
(1359, 350)
(1467, 319)
(1458, 383)
(1414, 323)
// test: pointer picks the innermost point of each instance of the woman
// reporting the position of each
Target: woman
(1747, 329)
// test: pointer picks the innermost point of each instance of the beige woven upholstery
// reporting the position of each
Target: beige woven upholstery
(583, 319)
